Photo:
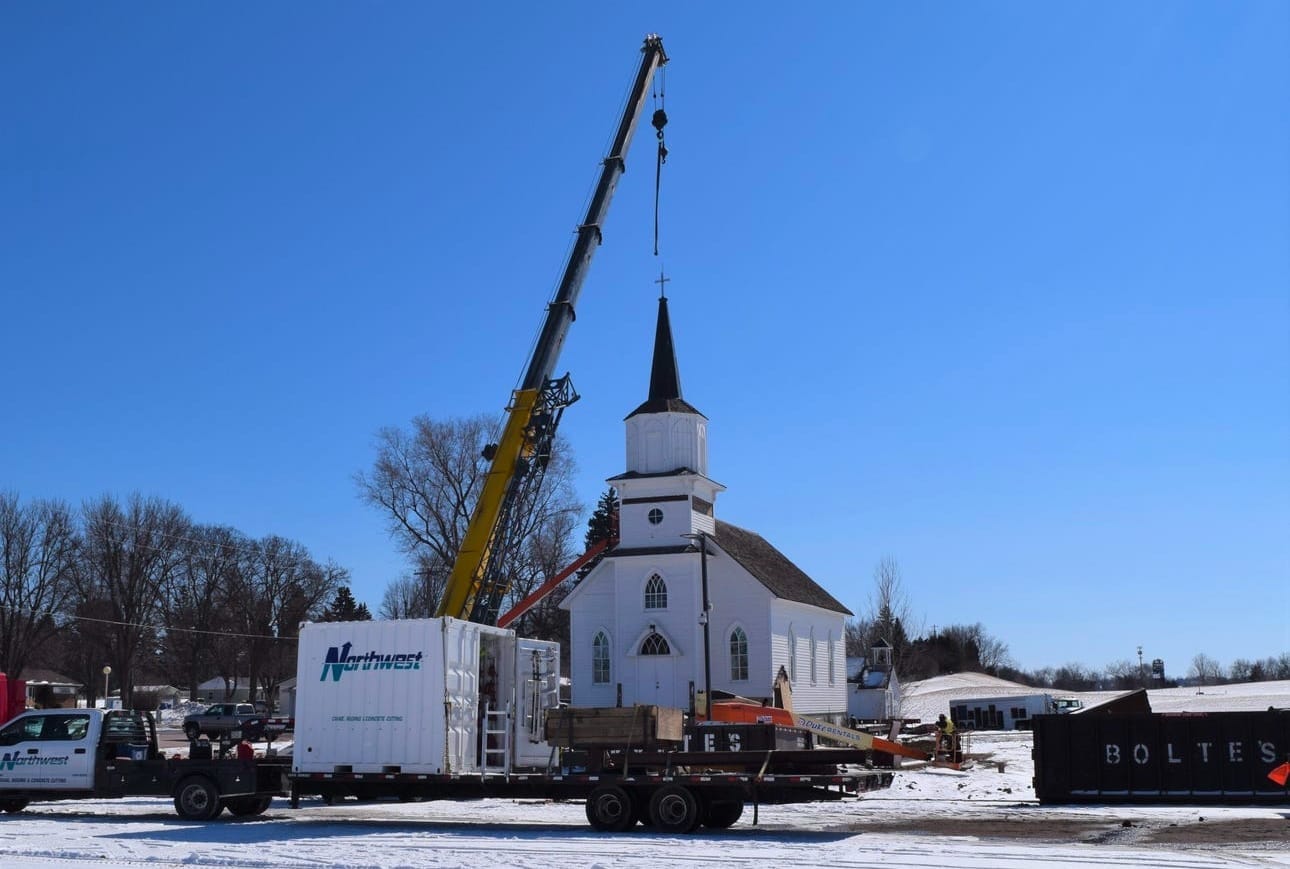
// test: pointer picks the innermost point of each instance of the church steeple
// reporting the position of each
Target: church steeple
(664, 378)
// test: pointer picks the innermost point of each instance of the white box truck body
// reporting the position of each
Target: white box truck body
(410, 696)
(1009, 712)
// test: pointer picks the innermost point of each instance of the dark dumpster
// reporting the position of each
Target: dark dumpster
(1193, 758)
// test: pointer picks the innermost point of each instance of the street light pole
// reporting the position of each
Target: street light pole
(107, 671)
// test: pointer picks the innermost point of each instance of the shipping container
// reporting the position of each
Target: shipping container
(421, 696)
(1193, 758)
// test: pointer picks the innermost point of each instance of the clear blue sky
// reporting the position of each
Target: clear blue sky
(1000, 290)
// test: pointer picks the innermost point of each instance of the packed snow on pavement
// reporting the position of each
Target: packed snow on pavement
(985, 816)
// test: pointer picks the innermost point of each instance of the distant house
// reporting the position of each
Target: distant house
(216, 690)
(873, 689)
(287, 697)
(167, 696)
(47, 689)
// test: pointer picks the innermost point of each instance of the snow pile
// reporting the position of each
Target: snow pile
(926, 699)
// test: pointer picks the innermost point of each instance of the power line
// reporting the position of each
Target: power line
(167, 629)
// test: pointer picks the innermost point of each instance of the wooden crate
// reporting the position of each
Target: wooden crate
(614, 727)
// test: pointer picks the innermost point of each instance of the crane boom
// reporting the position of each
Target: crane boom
(475, 586)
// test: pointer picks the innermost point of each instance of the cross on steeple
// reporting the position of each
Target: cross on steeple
(662, 282)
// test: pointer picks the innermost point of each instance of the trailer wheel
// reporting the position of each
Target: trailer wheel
(242, 807)
(722, 814)
(13, 807)
(610, 810)
(673, 809)
(197, 799)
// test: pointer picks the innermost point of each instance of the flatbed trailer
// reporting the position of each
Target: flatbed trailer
(671, 791)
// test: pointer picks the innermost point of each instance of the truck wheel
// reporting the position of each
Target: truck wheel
(720, 815)
(609, 810)
(192, 731)
(673, 809)
(197, 799)
(13, 807)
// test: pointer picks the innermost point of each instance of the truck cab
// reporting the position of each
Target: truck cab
(50, 750)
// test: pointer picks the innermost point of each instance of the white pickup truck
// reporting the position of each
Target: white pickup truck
(61, 754)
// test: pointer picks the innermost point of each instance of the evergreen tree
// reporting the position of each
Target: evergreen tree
(603, 525)
(345, 609)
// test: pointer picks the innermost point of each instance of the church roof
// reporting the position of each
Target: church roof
(772, 568)
(664, 378)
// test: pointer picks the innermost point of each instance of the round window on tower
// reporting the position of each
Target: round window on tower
(655, 516)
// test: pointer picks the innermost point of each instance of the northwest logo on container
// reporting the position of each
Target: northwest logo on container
(12, 759)
(340, 661)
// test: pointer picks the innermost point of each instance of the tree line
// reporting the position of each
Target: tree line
(889, 616)
(138, 586)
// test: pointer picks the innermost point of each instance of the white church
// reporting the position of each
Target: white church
(636, 618)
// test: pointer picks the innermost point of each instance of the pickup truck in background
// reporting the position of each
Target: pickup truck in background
(65, 754)
(223, 720)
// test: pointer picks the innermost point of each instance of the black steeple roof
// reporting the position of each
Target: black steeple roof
(664, 379)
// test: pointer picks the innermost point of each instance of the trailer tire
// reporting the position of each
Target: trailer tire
(197, 799)
(610, 810)
(722, 814)
(242, 807)
(13, 807)
(192, 731)
(673, 809)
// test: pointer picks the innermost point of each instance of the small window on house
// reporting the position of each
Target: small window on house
(792, 656)
(656, 593)
(655, 516)
(812, 651)
(600, 659)
(738, 655)
(655, 645)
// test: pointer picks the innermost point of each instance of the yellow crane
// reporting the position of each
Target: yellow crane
(476, 584)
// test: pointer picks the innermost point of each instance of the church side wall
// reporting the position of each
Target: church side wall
(821, 696)
(594, 612)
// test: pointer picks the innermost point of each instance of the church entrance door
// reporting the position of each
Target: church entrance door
(655, 680)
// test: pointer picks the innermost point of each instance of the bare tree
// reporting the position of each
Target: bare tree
(282, 586)
(126, 562)
(196, 612)
(427, 481)
(890, 615)
(38, 546)
(1205, 670)
(403, 599)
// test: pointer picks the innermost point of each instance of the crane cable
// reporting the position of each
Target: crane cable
(659, 121)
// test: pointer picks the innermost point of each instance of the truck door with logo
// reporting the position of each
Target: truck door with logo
(47, 751)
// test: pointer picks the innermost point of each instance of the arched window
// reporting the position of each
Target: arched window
(792, 656)
(832, 679)
(600, 658)
(655, 645)
(655, 593)
(812, 653)
(738, 655)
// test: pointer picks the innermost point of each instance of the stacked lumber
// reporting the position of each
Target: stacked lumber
(614, 727)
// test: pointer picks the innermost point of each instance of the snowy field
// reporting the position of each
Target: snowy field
(982, 817)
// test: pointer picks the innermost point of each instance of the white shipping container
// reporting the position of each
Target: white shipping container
(409, 696)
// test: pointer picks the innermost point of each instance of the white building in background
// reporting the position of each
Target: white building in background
(635, 618)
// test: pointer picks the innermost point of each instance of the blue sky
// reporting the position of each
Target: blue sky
(999, 290)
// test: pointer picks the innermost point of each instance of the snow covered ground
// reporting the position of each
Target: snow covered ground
(982, 817)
